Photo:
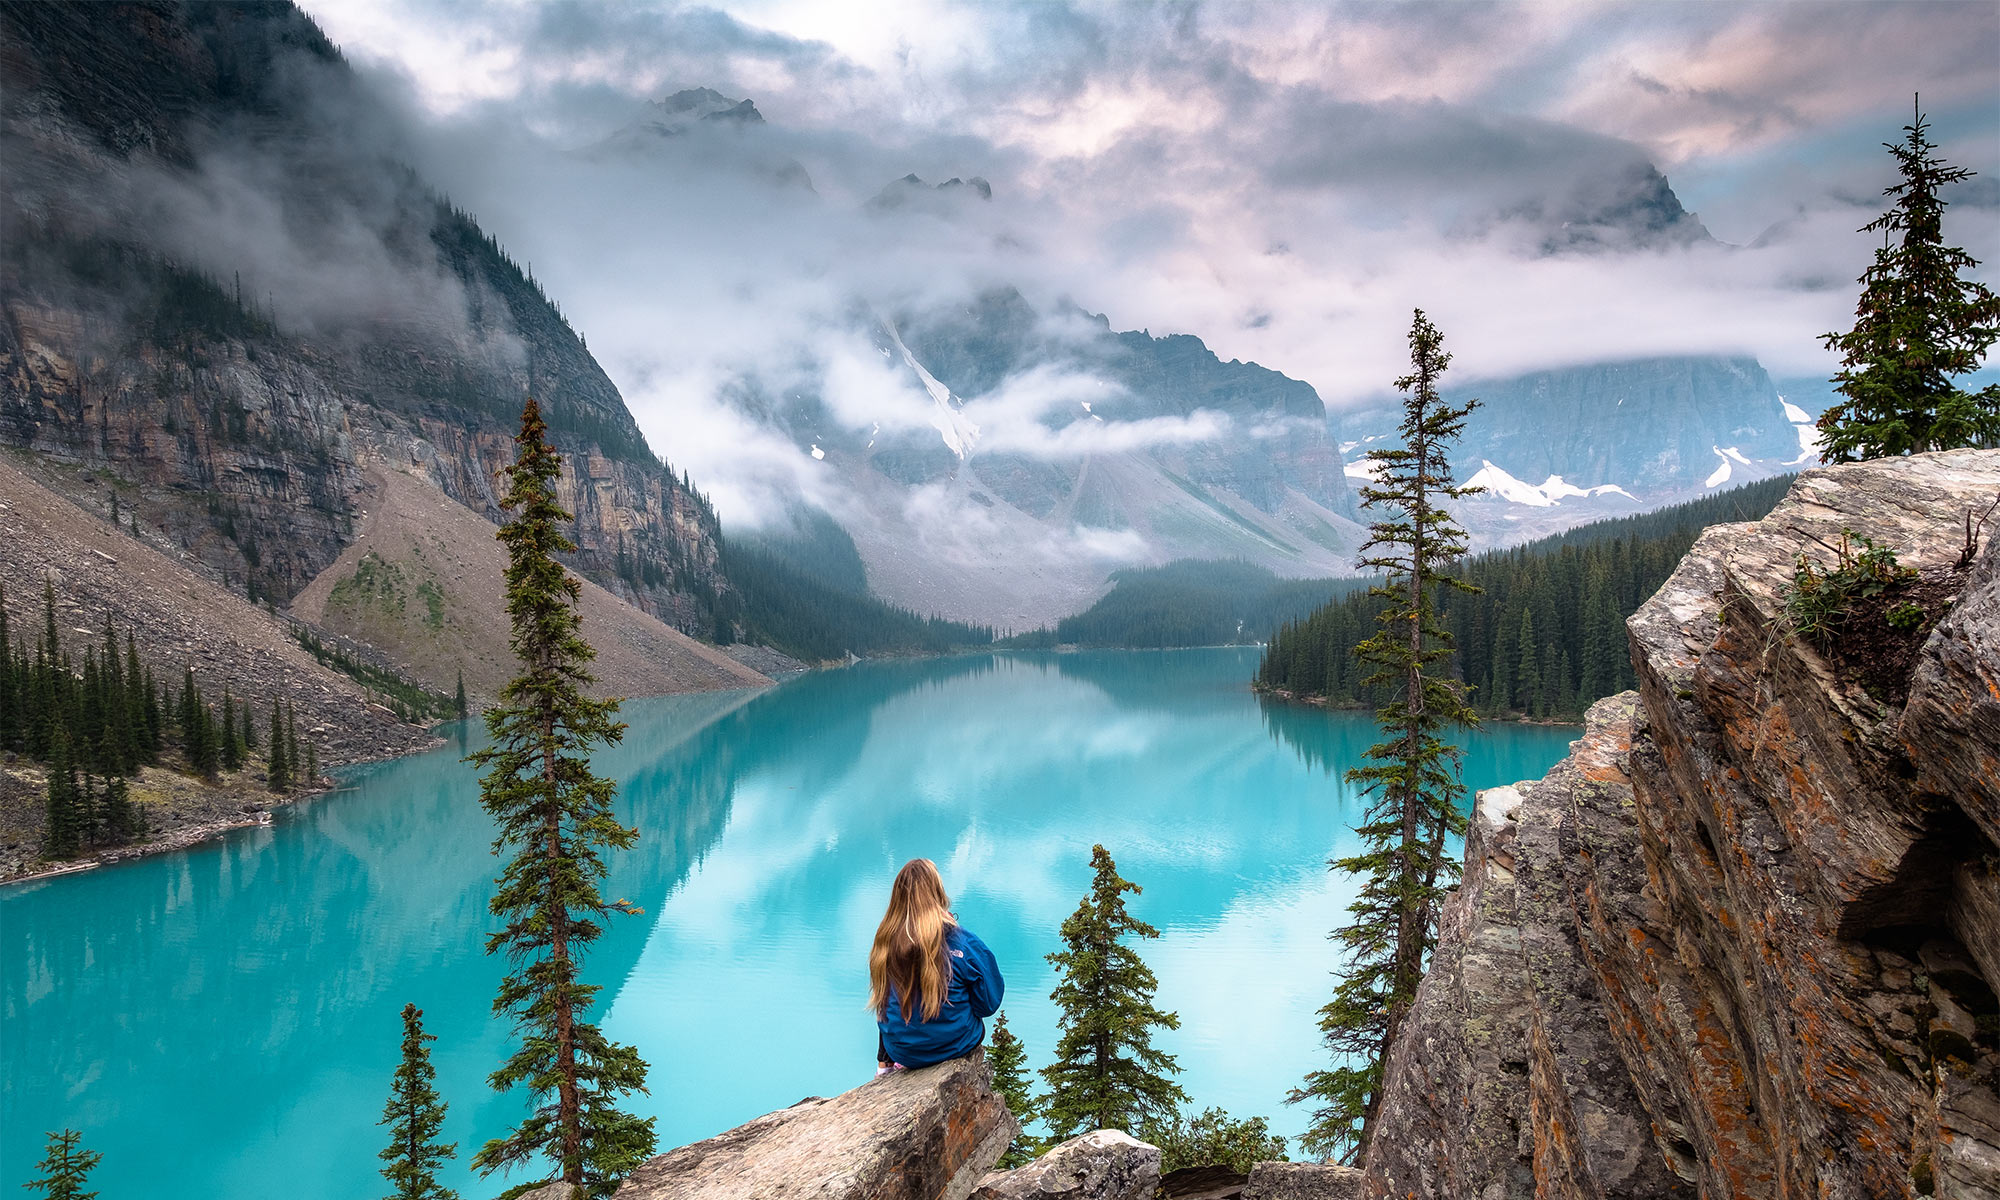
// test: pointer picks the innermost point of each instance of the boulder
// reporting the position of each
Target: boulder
(1302, 1181)
(553, 1191)
(928, 1134)
(1105, 1165)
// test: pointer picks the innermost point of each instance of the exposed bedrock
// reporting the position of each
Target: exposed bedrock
(1745, 940)
(930, 1134)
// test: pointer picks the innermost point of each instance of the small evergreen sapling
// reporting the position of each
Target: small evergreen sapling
(1107, 1073)
(65, 1168)
(1009, 1060)
(415, 1115)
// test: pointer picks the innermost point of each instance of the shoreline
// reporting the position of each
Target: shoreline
(194, 833)
(1321, 702)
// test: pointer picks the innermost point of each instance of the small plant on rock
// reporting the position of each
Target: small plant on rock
(1820, 599)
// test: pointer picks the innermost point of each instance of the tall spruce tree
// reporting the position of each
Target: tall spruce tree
(231, 749)
(414, 1115)
(1918, 325)
(276, 766)
(1412, 781)
(1107, 1073)
(555, 818)
(10, 708)
(65, 1168)
(1009, 1060)
(67, 815)
(458, 700)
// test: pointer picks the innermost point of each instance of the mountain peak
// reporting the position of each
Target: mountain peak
(706, 104)
(913, 188)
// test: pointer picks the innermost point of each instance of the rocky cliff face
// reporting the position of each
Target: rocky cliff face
(220, 287)
(1743, 941)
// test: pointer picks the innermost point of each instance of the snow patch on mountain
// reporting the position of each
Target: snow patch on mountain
(1552, 491)
(958, 430)
(1720, 475)
(1808, 430)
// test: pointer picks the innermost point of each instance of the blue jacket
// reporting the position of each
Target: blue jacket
(973, 993)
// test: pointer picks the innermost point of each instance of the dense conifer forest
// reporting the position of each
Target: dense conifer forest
(807, 595)
(1545, 634)
(97, 714)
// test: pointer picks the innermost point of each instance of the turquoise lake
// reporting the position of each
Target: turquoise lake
(223, 1022)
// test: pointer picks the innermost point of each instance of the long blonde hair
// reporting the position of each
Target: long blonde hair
(909, 952)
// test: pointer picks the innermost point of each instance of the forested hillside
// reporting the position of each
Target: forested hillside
(805, 615)
(1194, 602)
(1545, 634)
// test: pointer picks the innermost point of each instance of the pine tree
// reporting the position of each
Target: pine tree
(458, 701)
(1107, 1074)
(555, 816)
(414, 1115)
(65, 1166)
(277, 767)
(10, 709)
(312, 765)
(1528, 673)
(248, 729)
(122, 820)
(1917, 325)
(292, 760)
(1412, 782)
(51, 640)
(1009, 1060)
(64, 834)
(231, 749)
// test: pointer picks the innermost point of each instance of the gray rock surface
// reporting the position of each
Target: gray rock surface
(1105, 1165)
(929, 1134)
(1302, 1181)
(1745, 940)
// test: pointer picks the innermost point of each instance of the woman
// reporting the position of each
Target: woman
(930, 981)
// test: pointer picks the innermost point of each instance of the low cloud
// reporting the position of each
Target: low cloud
(1287, 182)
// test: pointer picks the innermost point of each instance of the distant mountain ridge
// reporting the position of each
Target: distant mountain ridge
(1555, 448)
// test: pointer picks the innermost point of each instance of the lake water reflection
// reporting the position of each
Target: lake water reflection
(225, 1020)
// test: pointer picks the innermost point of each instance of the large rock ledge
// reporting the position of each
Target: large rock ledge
(1745, 941)
(931, 1134)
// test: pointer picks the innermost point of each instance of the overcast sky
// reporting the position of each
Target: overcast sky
(1285, 180)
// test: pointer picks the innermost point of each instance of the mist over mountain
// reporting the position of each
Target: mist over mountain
(223, 286)
(1085, 348)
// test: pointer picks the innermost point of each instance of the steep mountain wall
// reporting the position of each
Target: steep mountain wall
(1745, 941)
(219, 285)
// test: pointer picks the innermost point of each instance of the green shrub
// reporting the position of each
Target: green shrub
(1213, 1139)
(1819, 599)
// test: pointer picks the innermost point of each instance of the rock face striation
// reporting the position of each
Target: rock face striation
(929, 1134)
(1745, 940)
